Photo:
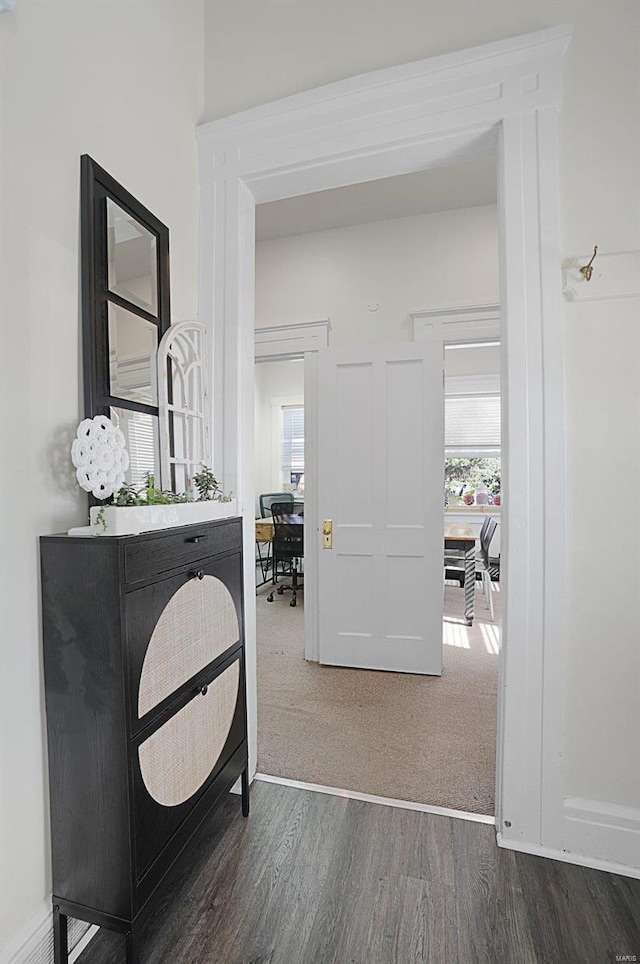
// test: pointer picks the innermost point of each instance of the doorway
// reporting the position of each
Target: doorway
(503, 96)
(316, 711)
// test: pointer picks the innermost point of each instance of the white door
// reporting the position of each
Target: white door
(380, 482)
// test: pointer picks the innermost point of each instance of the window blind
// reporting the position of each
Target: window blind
(472, 425)
(292, 439)
(141, 439)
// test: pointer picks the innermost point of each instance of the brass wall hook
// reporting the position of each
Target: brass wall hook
(587, 269)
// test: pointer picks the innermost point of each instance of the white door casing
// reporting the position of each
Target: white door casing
(380, 451)
(499, 98)
(303, 339)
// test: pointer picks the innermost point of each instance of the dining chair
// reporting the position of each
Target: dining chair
(456, 572)
(483, 566)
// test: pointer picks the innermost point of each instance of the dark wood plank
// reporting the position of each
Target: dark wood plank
(316, 879)
(475, 860)
(420, 923)
(508, 913)
(381, 852)
(278, 921)
(564, 921)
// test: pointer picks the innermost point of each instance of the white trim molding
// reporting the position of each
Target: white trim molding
(303, 340)
(603, 836)
(614, 276)
(501, 98)
(604, 831)
(599, 836)
(277, 342)
(459, 324)
(33, 943)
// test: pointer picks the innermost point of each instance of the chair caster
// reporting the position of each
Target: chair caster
(270, 597)
(280, 590)
(293, 602)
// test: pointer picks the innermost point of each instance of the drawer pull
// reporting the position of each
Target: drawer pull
(195, 539)
(197, 575)
(202, 690)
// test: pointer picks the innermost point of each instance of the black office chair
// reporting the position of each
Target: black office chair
(268, 498)
(288, 545)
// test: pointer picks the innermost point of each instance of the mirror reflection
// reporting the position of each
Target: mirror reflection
(133, 344)
(132, 262)
(142, 435)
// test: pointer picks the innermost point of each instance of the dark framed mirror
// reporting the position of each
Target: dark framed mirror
(125, 312)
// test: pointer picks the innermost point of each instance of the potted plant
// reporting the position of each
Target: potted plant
(148, 508)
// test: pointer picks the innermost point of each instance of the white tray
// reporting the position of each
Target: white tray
(124, 520)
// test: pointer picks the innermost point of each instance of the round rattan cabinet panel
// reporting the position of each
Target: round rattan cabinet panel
(198, 623)
(177, 759)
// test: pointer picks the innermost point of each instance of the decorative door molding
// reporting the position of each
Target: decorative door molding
(277, 342)
(500, 98)
(461, 323)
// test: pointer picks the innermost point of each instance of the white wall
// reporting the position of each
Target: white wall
(603, 391)
(401, 264)
(122, 82)
(274, 380)
(289, 47)
(420, 262)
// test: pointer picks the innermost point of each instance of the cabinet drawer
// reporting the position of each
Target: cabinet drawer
(174, 768)
(178, 626)
(154, 553)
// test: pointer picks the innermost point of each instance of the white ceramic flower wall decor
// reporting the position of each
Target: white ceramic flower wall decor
(100, 457)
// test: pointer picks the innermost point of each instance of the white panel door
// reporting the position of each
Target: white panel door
(380, 481)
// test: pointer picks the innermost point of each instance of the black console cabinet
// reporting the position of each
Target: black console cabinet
(146, 715)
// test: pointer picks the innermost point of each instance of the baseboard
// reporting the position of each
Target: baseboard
(25, 944)
(33, 944)
(598, 835)
(603, 831)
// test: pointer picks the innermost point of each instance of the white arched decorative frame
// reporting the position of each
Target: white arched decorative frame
(500, 98)
(183, 402)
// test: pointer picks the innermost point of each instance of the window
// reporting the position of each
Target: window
(463, 476)
(472, 435)
(472, 425)
(293, 445)
(141, 431)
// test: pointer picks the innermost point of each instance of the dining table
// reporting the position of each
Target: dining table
(463, 538)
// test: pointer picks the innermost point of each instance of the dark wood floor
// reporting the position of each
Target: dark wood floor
(312, 879)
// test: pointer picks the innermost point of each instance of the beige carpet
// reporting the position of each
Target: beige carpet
(421, 738)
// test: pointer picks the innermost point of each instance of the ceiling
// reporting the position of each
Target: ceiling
(463, 185)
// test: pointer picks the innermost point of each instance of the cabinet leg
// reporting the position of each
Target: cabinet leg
(132, 946)
(244, 781)
(60, 937)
